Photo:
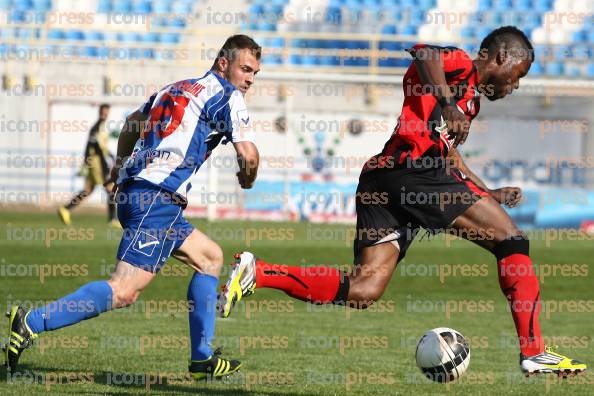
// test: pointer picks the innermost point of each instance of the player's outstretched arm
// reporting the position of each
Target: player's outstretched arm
(128, 136)
(248, 159)
(510, 196)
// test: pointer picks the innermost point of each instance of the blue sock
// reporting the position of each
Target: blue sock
(202, 296)
(87, 302)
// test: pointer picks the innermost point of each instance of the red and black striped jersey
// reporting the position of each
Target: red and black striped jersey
(421, 130)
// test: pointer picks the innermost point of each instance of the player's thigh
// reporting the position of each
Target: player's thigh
(485, 223)
(201, 253)
(373, 271)
(127, 281)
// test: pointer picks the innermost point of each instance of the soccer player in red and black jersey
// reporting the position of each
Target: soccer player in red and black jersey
(419, 180)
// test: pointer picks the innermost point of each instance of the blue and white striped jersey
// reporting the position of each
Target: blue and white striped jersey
(187, 120)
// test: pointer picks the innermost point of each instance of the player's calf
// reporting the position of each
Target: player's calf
(314, 284)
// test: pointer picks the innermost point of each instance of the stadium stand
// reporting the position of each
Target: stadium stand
(350, 34)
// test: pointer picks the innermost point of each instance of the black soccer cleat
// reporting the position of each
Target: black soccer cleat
(20, 336)
(214, 367)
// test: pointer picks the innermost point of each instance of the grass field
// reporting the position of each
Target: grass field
(289, 347)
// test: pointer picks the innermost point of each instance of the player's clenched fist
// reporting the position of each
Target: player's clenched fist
(509, 196)
(457, 123)
(244, 180)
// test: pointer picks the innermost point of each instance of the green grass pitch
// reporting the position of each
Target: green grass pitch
(289, 347)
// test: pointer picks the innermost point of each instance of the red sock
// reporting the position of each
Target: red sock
(520, 285)
(316, 284)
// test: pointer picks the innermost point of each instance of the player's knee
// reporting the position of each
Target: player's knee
(517, 243)
(363, 297)
(208, 261)
(123, 296)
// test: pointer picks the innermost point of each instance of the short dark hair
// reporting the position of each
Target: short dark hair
(236, 43)
(104, 106)
(512, 39)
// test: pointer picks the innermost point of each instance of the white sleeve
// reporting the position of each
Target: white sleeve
(238, 119)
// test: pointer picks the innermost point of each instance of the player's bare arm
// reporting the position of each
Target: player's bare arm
(128, 136)
(248, 160)
(508, 196)
(430, 69)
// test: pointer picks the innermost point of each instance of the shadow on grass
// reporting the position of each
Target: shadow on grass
(241, 383)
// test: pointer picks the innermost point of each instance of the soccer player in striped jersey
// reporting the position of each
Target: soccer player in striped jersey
(161, 146)
(420, 180)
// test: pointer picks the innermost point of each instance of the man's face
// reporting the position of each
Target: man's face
(506, 76)
(103, 113)
(242, 71)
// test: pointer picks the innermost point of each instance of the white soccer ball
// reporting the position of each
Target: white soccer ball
(443, 354)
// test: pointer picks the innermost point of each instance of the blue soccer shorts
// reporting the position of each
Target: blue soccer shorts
(153, 223)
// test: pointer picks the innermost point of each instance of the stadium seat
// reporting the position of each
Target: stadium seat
(554, 69)
(183, 8)
(142, 7)
(122, 7)
(104, 6)
(170, 38)
(536, 69)
(590, 70)
(92, 35)
(74, 35)
(5, 5)
(42, 6)
(55, 34)
(161, 6)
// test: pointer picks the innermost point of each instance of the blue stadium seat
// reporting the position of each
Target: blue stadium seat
(42, 6)
(581, 52)
(74, 35)
(572, 70)
(408, 30)
(128, 37)
(467, 32)
(503, 5)
(590, 70)
(309, 60)
(334, 15)
(541, 5)
(104, 6)
(554, 69)
(5, 5)
(90, 52)
(181, 8)
(55, 34)
(22, 5)
(17, 16)
(93, 35)
(484, 5)
(170, 38)
(142, 7)
(266, 26)
(151, 37)
(522, 5)
(294, 59)
(389, 29)
(562, 52)
(176, 22)
(536, 69)
(579, 36)
(122, 7)
(161, 6)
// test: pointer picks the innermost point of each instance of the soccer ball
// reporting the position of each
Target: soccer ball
(443, 354)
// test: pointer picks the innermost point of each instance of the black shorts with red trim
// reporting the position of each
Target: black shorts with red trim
(394, 203)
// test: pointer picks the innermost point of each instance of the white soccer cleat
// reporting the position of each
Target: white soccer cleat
(241, 283)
